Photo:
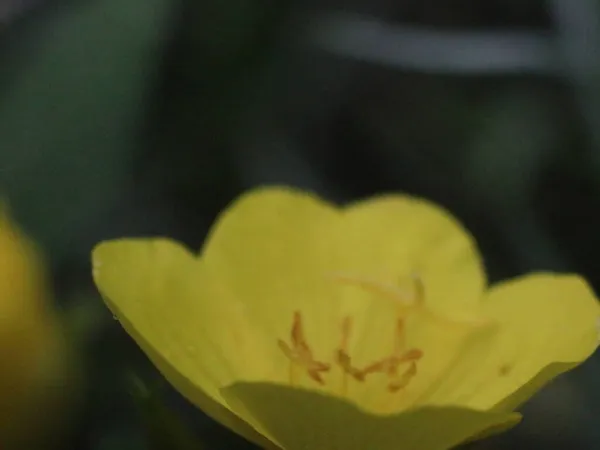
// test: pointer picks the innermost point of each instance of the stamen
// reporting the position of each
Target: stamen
(342, 358)
(399, 356)
(297, 334)
(386, 365)
(407, 302)
(390, 365)
(345, 362)
(300, 354)
(403, 381)
(400, 339)
(346, 329)
(403, 298)
(414, 354)
(315, 369)
(287, 351)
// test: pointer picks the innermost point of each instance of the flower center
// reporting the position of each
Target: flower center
(399, 366)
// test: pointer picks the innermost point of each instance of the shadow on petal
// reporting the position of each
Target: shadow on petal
(299, 419)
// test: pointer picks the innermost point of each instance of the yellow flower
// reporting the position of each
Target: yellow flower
(33, 351)
(302, 325)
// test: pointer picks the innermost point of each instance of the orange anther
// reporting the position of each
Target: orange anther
(299, 353)
(297, 333)
(403, 381)
(414, 354)
(342, 357)
(314, 371)
(390, 364)
(386, 365)
(344, 361)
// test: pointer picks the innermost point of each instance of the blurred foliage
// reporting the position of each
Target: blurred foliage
(164, 430)
(73, 94)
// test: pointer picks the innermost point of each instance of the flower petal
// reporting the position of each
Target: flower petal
(281, 250)
(547, 325)
(272, 249)
(157, 290)
(380, 332)
(301, 420)
(398, 236)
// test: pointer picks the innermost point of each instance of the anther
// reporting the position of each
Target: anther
(344, 361)
(404, 379)
(342, 358)
(299, 353)
(390, 364)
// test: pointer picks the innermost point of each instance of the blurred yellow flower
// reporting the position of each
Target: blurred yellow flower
(32, 347)
(302, 325)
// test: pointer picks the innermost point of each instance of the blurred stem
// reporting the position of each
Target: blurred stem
(165, 430)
